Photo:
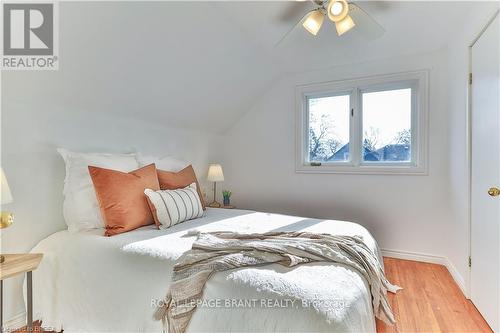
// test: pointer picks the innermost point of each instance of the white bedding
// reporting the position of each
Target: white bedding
(88, 282)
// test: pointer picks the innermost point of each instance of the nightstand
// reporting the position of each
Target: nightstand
(14, 265)
(227, 207)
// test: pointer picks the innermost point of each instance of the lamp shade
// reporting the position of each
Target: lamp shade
(215, 173)
(6, 196)
(313, 21)
(345, 25)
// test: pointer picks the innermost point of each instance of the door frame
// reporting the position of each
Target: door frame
(468, 155)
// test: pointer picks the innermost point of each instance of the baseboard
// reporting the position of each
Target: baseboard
(457, 277)
(15, 322)
(423, 257)
(430, 258)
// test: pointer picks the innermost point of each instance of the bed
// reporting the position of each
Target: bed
(87, 282)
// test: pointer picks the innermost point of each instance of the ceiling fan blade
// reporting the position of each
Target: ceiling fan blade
(291, 29)
(365, 24)
(318, 2)
(293, 11)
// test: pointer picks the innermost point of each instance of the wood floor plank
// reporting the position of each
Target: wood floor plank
(431, 301)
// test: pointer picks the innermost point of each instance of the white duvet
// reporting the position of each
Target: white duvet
(91, 283)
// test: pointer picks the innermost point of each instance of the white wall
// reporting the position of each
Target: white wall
(409, 213)
(119, 87)
(32, 128)
(422, 214)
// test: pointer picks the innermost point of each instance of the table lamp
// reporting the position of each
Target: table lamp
(215, 175)
(6, 197)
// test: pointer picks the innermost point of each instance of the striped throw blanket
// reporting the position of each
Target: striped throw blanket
(221, 251)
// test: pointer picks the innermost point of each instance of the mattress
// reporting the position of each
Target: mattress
(91, 283)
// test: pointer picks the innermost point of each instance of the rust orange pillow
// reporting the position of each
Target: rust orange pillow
(121, 197)
(175, 180)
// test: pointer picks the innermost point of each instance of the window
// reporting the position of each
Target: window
(387, 125)
(372, 125)
(328, 128)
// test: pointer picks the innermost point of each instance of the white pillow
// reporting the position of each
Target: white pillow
(80, 207)
(175, 206)
(167, 163)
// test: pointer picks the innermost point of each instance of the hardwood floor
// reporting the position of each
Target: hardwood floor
(430, 301)
(36, 328)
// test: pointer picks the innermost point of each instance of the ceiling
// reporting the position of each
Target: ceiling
(411, 27)
(201, 65)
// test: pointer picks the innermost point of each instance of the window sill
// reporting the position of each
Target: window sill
(364, 169)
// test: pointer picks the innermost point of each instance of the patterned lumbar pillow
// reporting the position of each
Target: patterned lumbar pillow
(170, 207)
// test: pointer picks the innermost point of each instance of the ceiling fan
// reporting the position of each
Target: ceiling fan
(345, 15)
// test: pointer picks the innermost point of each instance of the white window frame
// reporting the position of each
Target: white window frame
(417, 81)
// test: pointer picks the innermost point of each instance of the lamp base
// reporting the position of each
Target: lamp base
(214, 204)
(6, 219)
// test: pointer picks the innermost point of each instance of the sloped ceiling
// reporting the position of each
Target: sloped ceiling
(181, 64)
(201, 65)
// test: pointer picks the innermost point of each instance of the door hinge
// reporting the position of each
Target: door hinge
(470, 78)
(352, 112)
(470, 262)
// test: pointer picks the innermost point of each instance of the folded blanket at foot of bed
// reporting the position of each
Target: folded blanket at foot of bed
(221, 251)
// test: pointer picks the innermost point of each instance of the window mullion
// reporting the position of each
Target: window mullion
(305, 129)
(414, 127)
(355, 137)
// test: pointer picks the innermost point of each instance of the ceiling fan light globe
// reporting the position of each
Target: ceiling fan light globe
(337, 10)
(345, 25)
(313, 22)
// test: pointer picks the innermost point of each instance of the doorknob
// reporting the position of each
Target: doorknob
(494, 192)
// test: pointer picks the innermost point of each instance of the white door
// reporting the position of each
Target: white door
(485, 203)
